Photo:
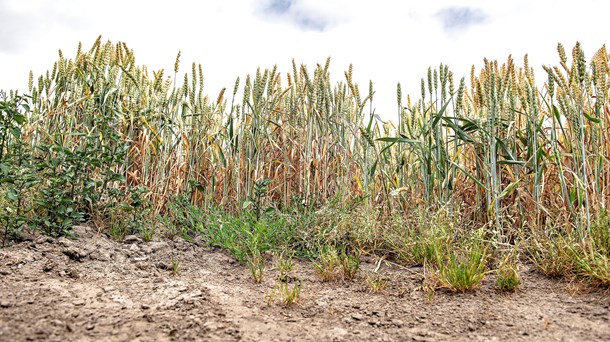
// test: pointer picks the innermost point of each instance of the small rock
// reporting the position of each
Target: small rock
(134, 248)
(24, 236)
(145, 306)
(132, 239)
(162, 266)
(5, 305)
(4, 272)
(43, 239)
(75, 253)
(374, 323)
(90, 326)
(398, 323)
(49, 266)
(97, 255)
(357, 317)
(78, 302)
(62, 241)
(157, 246)
(72, 273)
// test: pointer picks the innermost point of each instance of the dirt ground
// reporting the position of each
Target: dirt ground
(97, 289)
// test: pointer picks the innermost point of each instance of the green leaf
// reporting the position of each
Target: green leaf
(398, 140)
(11, 195)
(469, 175)
(20, 119)
(509, 189)
(591, 118)
(510, 162)
(246, 204)
(16, 132)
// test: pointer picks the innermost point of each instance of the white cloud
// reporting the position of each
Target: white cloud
(459, 18)
(387, 41)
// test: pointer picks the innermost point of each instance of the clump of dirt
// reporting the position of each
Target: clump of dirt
(94, 288)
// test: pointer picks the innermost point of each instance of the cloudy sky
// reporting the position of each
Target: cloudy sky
(388, 41)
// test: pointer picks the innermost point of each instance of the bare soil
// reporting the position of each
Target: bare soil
(96, 289)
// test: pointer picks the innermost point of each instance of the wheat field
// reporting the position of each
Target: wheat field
(475, 175)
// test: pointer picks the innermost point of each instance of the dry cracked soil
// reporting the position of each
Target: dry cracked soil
(93, 288)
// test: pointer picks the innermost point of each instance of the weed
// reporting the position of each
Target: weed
(507, 276)
(285, 265)
(256, 265)
(256, 200)
(289, 294)
(427, 237)
(284, 293)
(377, 282)
(350, 264)
(148, 233)
(593, 265)
(329, 264)
(552, 253)
(175, 266)
(463, 269)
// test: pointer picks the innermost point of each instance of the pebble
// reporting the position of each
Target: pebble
(49, 266)
(132, 239)
(78, 302)
(157, 246)
(43, 239)
(72, 273)
(4, 304)
(64, 242)
(97, 255)
(74, 253)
